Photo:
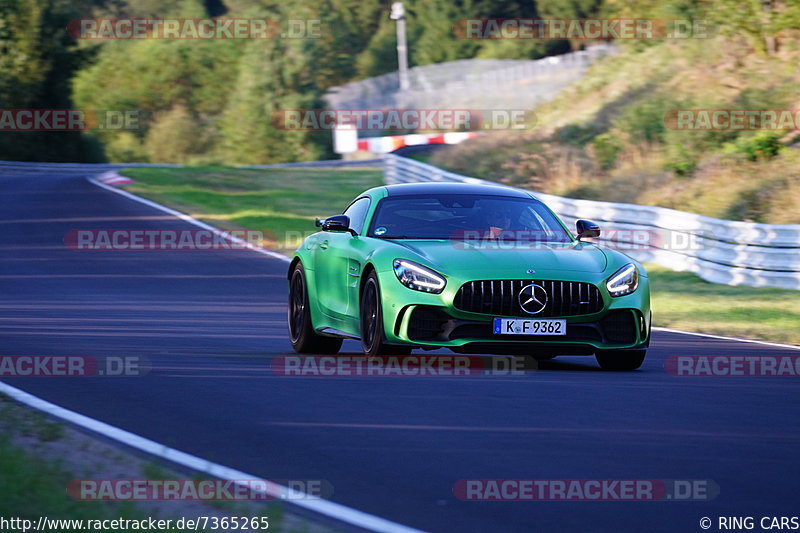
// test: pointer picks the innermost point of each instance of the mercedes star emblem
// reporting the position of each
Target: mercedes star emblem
(533, 299)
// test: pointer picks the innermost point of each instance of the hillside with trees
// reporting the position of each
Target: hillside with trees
(211, 101)
(609, 137)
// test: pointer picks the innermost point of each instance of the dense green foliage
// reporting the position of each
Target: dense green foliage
(37, 62)
(213, 101)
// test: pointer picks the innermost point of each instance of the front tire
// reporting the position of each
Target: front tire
(301, 331)
(372, 333)
(620, 359)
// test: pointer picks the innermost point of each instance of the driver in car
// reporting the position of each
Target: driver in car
(498, 221)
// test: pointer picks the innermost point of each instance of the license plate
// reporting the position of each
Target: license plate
(527, 326)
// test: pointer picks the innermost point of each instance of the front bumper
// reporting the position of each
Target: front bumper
(434, 326)
(430, 320)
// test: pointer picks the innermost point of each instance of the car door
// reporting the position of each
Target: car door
(338, 263)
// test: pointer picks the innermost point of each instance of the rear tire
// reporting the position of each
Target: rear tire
(301, 331)
(620, 359)
(372, 333)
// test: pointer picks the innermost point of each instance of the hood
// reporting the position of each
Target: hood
(506, 258)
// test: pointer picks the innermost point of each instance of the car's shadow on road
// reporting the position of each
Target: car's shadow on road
(555, 364)
(523, 364)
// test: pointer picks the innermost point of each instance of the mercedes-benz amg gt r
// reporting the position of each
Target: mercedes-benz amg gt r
(478, 269)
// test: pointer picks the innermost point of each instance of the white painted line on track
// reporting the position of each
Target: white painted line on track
(191, 220)
(322, 507)
(722, 337)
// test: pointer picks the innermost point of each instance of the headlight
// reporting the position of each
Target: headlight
(417, 277)
(624, 281)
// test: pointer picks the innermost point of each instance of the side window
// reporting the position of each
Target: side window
(358, 214)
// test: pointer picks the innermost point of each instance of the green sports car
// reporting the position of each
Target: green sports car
(478, 269)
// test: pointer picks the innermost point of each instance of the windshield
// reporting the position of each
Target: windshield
(466, 216)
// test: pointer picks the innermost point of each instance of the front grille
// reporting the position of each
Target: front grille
(501, 298)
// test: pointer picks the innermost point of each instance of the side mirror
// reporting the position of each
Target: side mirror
(587, 229)
(337, 223)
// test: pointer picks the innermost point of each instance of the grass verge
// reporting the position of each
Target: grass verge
(280, 202)
(682, 300)
(283, 201)
(33, 487)
(39, 457)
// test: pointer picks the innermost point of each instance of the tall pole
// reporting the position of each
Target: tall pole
(398, 15)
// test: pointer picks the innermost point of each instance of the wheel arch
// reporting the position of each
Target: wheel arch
(369, 268)
(317, 317)
(295, 261)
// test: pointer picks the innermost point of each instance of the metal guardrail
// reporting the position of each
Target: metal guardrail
(719, 251)
(19, 168)
(470, 83)
(22, 167)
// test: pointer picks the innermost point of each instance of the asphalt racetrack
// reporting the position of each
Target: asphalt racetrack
(211, 322)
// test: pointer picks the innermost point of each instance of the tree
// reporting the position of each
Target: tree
(432, 22)
(569, 9)
(37, 59)
(273, 76)
(757, 20)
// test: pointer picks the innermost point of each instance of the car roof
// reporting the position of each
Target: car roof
(413, 189)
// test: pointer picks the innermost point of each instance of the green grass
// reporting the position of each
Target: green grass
(280, 202)
(32, 424)
(286, 200)
(682, 300)
(422, 158)
(154, 470)
(46, 430)
(32, 487)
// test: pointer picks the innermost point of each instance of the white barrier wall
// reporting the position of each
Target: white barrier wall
(719, 251)
(470, 83)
